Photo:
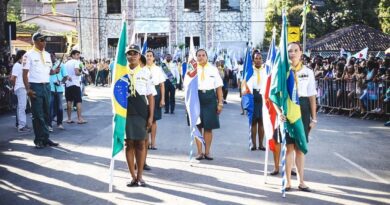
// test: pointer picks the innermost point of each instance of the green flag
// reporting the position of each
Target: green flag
(119, 99)
(283, 92)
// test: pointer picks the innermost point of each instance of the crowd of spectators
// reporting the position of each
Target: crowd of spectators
(360, 86)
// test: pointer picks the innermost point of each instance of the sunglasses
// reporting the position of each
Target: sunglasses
(42, 40)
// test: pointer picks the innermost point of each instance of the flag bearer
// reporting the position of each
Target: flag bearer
(140, 110)
(305, 87)
(211, 101)
(259, 76)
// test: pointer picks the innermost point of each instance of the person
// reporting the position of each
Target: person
(158, 79)
(259, 76)
(20, 92)
(73, 89)
(172, 75)
(139, 113)
(305, 87)
(240, 76)
(226, 77)
(57, 90)
(36, 77)
(211, 102)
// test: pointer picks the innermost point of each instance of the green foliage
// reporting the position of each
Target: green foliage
(384, 15)
(333, 15)
(13, 14)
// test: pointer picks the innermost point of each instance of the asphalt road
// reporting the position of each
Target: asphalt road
(348, 163)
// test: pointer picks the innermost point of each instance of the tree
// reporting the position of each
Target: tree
(13, 14)
(384, 15)
(330, 16)
(3, 18)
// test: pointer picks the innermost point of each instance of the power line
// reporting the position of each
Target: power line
(148, 20)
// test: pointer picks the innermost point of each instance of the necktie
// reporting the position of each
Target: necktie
(258, 76)
(202, 76)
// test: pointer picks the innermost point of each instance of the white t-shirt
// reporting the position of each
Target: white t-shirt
(306, 82)
(144, 84)
(17, 71)
(212, 78)
(157, 74)
(39, 65)
(70, 66)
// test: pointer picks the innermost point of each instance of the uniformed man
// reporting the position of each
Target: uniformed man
(140, 111)
(172, 75)
(37, 68)
(211, 102)
(259, 76)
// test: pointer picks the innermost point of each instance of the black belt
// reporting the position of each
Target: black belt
(40, 83)
(206, 91)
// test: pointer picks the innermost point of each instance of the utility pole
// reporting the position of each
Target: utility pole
(304, 26)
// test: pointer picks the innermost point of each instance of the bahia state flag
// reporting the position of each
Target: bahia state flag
(247, 86)
(269, 112)
(119, 97)
(283, 92)
(191, 99)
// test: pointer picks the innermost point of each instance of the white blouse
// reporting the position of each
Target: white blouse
(306, 82)
(212, 79)
(158, 75)
(144, 84)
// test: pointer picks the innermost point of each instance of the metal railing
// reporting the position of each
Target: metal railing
(354, 97)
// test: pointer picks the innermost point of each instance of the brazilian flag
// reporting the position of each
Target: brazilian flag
(282, 92)
(119, 98)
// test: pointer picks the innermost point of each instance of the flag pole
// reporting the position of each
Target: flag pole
(112, 162)
(266, 161)
(284, 176)
(267, 139)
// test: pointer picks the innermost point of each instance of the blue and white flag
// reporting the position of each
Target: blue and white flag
(247, 86)
(191, 93)
(145, 46)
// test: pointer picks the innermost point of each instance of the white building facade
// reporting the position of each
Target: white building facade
(214, 24)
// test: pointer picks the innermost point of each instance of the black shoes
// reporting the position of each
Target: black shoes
(147, 167)
(39, 145)
(199, 157)
(207, 157)
(51, 143)
(135, 183)
(276, 172)
(305, 189)
(293, 173)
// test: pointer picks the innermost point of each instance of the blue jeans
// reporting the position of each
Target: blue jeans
(56, 107)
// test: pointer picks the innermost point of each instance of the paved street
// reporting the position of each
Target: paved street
(348, 163)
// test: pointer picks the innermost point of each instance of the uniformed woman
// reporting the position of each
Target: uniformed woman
(211, 101)
(158, 80)
(259, 76)
(305, 87)
(140, 110)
